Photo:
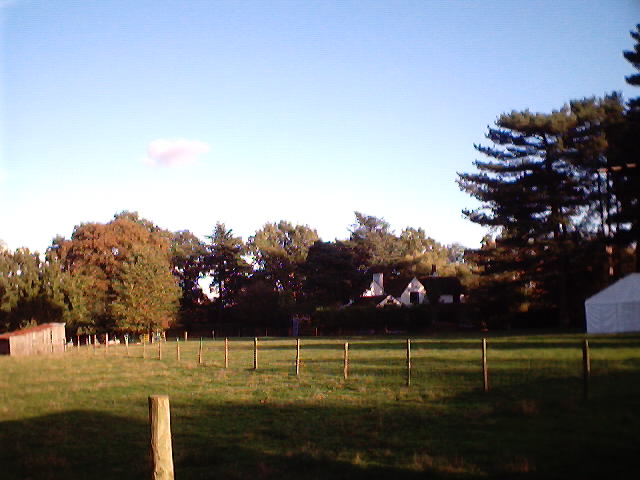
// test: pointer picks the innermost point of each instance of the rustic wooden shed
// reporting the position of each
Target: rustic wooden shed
(45, 338)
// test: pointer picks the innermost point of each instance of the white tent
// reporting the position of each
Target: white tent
(616, 308)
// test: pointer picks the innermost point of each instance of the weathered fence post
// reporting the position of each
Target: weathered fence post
(200, 353)
(408, 362)
(78, 341)
(161, 452)
(177, 349)
(126, 343)
(159, 350)
(485, 373)
(255, 353)
(226, 353)
(106, 343)
(346, 360)
(586, 368)
(186, 335)
(297, 356)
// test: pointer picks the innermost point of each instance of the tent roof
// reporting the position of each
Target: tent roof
(625, 290)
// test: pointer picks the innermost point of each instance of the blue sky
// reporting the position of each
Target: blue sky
(246, 112)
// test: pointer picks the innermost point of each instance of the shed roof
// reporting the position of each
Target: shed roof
(26, 331)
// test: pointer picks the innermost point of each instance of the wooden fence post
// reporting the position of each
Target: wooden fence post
(106, 343)
(177, 349)
(200, 353)
(485, 373)
(297, 356)
(226, 353)
(186, 335)
(161, 451)
(255, 353)
(126, 343)
(346, 360)
(408, 362)
(586, 368)
(159, 350)
(78, 341)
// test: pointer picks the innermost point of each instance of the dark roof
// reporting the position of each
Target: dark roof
(372, 301)
(25, 331)
(368, 301)
(442, 285)
(395, 286)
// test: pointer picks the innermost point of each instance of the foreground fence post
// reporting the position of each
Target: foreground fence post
(586, 368)
(226, 352)
(255, 353)
(408, 362)
(346, 360)
(161, 452)
(485, 373)
(297, 356)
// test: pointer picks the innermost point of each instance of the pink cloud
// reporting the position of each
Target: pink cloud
(174, 152)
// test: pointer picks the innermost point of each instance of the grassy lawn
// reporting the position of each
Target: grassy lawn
(84, 414)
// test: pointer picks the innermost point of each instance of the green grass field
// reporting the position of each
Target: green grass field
(84, 414)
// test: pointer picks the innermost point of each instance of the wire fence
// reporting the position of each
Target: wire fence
(440, 366)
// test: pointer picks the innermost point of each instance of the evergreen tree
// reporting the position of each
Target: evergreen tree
(625, 164)
(188, 255)
(226, 265)
(535, 192)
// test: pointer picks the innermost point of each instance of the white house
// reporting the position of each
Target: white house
(414, 291)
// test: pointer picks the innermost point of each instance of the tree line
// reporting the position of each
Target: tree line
(130, 276)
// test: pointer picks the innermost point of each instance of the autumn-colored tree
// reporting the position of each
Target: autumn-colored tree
(105, 257)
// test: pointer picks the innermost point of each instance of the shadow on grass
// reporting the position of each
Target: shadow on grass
(511, 432)
(74, 444)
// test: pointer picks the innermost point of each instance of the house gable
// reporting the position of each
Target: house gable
(414, 293)
(377, 286)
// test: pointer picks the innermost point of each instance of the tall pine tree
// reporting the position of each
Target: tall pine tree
(536, 193)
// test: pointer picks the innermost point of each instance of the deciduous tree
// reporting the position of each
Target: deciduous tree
(278, 251)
